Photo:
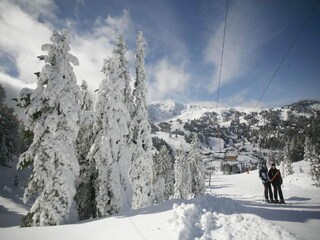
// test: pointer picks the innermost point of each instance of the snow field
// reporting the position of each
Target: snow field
(231, 209)
(300, 216)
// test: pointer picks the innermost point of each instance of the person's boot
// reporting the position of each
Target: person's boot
(276, 201)
(271, 201)
(282, 201)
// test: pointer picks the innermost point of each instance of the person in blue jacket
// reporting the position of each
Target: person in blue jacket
(264, 176)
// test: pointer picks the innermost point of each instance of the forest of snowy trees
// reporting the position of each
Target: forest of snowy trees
(96, 159)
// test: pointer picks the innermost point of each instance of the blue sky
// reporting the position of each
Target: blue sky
(184, 46)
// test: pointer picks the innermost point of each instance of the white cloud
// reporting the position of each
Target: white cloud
(7, 80)
(169, 80)
(22, 36)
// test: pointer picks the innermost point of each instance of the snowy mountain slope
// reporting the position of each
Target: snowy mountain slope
(170, 111)
(301, 216)
(231, 209)
(261, 128)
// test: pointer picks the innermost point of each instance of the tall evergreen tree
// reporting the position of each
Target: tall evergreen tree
(182, 176)
(314, 161)
(120, 51)
(11, 131)
(287, 162)
(197, 168)
(163, 175)
(126, 149)
(53, 116)
(109, 153)
(307, 150)
(85, 190)
(141, 169)
(315, 166)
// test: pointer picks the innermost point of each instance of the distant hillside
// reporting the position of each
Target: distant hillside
(263, 128)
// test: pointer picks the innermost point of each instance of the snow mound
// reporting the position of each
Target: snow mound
(212, 217)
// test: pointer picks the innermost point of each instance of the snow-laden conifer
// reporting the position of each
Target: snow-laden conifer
(182, 176)
(311, 156)
(120, 51)
(198, 172)
(287, 162)
(126, 148)
(85, 190)
(163, 175)
(141, 169)
(307, 150)
(315, 166)
(53, 116)
(110, 153)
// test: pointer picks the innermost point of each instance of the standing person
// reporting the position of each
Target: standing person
(276, 180)
(263, 175)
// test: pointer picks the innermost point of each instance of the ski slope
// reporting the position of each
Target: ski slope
(231, 209)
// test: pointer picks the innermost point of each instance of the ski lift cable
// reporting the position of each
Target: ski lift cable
(287, 52)
(221, 64)
(222, 52)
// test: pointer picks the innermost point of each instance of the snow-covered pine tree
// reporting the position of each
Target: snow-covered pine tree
(315, 166)
(182, 176)
(169, 174)
(158, 178)
(270, 158)
(198, 172)
(85, 99)
(53, 114)
(287, 162)
(126, 149)
(11, 129)
(311, 156)
(163, 175)
(141, 172)
(110, 153)
(85, 190)
(120, 51)
(307, 150)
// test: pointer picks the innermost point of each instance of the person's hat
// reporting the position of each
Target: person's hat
(273, 164)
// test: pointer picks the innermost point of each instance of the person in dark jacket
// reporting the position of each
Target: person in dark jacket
(276, 180)
(264, 176)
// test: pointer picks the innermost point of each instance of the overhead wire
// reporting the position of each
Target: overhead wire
(222, 52)
(287, 52)
(221, 64)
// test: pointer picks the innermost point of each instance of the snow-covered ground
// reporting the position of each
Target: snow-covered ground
(231, 209)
